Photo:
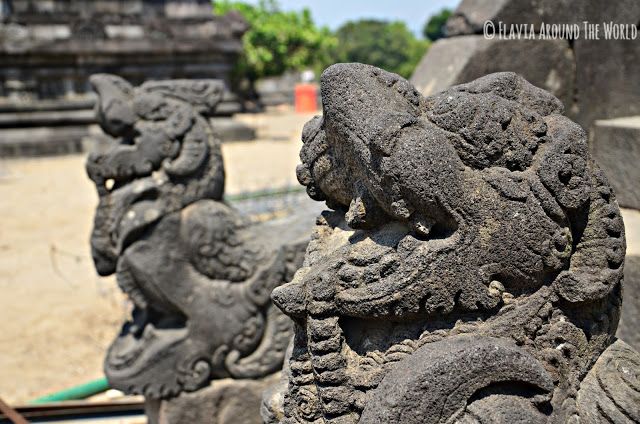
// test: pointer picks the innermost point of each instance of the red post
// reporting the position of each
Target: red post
(306, 98)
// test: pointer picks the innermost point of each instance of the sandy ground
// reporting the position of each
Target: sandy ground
(57, 315)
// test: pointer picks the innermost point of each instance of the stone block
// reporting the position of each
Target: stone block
(229, 129)
(42, 141)
(226, 401)
(548, 64)
(615, 144)
(602, 72)
(607, 83)
(629, 326)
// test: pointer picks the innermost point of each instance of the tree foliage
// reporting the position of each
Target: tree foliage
(278, 41)
(388, 45)
(434, 28)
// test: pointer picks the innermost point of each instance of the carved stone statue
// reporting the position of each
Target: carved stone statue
(198, 274)
(470, 268)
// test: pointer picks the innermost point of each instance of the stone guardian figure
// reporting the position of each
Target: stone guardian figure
(204, 339)
(469, 268)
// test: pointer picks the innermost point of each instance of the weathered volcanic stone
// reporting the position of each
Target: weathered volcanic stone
(615, 143)
(199, 275)
(547, 63)
(469, 268)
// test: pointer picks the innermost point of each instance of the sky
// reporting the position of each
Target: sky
(334, 13)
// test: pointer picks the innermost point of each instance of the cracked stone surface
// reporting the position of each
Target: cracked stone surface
(468, 269)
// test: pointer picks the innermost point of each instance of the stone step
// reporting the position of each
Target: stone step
(47, 118)
(615, 145)
(66, 139)
(42, 141)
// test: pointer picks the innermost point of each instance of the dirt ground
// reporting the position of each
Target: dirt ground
(57, 316)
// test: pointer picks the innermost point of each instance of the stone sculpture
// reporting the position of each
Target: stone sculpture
(594, 77)
(470, 267)
(198, 274)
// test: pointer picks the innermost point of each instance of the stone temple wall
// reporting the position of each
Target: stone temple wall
(48, 50)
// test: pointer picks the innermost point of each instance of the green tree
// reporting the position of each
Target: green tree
(278, 41)
(434, 28)
(388, 45)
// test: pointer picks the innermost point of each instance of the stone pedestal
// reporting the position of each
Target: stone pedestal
(225, 401)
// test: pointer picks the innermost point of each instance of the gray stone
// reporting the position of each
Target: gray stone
(50, 118)
(457, 60)
(607, 83)
(629, 326)
(197, 272)
(470, 15)
(615, 143)
(229, 129)
(278, 90)
(225, 401)
(50, 140)
(469, 268)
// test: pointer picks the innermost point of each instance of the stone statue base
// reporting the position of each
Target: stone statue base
(226, 401)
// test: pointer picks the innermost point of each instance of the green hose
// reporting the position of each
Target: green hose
(82, 391)
(263, 193)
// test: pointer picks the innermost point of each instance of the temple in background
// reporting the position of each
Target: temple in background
(49, 48)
